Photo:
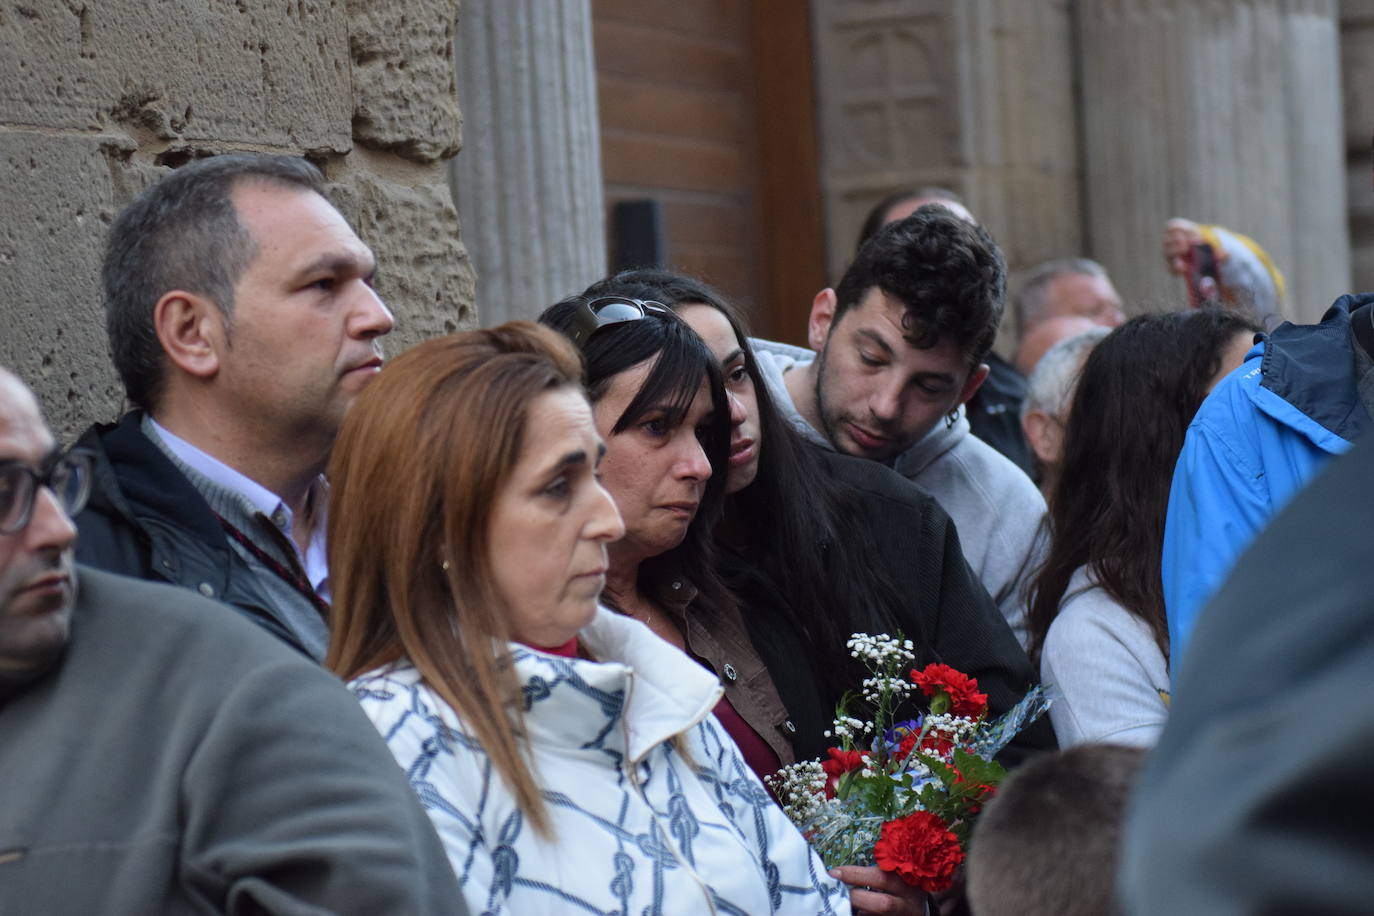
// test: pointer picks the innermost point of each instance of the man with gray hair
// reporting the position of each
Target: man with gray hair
(242, 320)
(1049, 394)
(1066, 286)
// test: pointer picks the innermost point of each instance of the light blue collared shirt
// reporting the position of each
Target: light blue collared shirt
(315, 560)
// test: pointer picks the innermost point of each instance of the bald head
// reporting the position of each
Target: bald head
(903, 209)
(18, 406)
(1045, 335)
(1065, 287)
(37, 572)
(899, 206)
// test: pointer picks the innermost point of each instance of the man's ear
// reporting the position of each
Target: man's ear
(822, 317)
(975, 381)
(1044, 434)
(191, 330)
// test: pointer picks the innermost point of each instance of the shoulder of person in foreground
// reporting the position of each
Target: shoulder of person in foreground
(1109, 677)
(289, 798)
(1255, 798)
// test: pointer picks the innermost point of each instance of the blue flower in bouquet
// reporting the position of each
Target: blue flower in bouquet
(891, 741)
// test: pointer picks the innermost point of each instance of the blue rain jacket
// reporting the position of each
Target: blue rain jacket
(1257, 439)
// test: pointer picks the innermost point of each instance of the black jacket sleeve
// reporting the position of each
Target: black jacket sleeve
(945, 609)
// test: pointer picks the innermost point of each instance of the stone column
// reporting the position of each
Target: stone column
(972, 95)
(528, 182)
(1357, 88)
(1224, 111)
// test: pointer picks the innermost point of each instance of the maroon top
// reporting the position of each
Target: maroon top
(756, 751)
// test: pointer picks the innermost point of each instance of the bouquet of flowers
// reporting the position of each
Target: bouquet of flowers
(903, 795)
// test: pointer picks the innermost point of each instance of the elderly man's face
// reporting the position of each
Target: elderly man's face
(37, 575)
(1087, 296)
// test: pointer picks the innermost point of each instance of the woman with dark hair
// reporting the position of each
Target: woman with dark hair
(660, 404)
(803, 566)
(816, 546)
(1097, 606)
(567, 757)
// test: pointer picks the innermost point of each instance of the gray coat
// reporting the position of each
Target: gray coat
(179, 760)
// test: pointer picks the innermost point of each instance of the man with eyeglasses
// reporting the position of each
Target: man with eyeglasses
(243, 322)
(158, 755)
(38, 486)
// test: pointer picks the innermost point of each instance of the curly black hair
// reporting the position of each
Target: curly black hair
(948, 273)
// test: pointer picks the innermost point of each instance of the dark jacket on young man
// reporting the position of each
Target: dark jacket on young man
(177, 760)
(994, 411)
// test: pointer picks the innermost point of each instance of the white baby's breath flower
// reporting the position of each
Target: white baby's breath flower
(800, 788)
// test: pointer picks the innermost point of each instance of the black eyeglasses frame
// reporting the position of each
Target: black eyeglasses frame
(77, 465)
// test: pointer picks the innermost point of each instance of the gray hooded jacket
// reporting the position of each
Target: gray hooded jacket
(995, 506)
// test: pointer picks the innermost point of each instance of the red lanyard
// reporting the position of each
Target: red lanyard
(289, 576)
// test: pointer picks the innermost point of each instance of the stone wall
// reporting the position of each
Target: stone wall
(1224, 112)
(97, 99)
(971, 95)
(1077, 127)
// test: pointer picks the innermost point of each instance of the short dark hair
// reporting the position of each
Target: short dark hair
(181, 233)
(1047, 843)
(877, 217)
(949, 274)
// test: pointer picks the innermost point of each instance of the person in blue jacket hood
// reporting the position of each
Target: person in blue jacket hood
(1302, 396)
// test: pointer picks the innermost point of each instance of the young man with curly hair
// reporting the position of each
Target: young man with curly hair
(897, 349)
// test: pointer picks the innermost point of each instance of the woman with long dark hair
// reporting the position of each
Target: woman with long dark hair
(568, 757)
(661, 406)
(774, 705)
(1097, 606)
(816, 546)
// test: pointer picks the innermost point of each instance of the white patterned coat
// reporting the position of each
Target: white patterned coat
(638, 828)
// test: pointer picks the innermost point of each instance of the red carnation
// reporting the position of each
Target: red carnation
(921, 850)
(840, 762)
(964, 698)
(935, 743)
(981, 792)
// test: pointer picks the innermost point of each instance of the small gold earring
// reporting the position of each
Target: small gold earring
(444, 565)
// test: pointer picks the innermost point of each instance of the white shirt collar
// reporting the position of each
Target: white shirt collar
(314, 561)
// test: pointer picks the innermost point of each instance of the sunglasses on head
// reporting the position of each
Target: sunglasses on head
(594, 314)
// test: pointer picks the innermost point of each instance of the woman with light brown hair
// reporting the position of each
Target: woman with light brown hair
(566, 755)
